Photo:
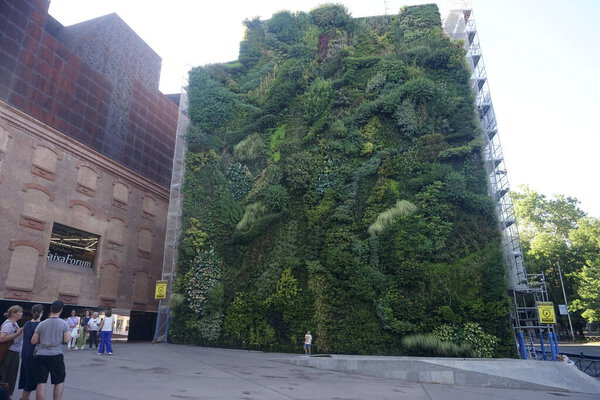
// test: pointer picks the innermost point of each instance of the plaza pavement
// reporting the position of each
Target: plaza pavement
(148, 371)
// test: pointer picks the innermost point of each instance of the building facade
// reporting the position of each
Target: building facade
(86, 150)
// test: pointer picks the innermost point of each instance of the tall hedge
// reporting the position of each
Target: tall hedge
(334, 182)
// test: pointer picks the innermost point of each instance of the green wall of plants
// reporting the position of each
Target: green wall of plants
(334, 182)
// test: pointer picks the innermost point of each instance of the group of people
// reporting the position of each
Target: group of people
(38, 347)
(85, 330)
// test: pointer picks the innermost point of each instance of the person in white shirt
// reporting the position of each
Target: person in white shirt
(11, 334)
(106, 327)
(307, 343)
(94, 327)
(73, 323)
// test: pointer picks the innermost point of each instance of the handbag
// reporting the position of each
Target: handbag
(4, 349)
(4, 346)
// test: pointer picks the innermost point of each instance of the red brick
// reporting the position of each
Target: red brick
(18, 15)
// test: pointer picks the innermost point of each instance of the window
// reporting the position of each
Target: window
(86, 180)
(149, 208)
(120, 195)
(73, 247)
(44, 162)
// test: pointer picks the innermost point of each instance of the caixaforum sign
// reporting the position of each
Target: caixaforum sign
(69, 259)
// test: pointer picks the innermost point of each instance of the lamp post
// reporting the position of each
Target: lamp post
(562, 285)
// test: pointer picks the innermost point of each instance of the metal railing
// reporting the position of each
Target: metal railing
(588, 364)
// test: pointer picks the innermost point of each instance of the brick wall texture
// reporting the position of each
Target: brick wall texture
(96, 82)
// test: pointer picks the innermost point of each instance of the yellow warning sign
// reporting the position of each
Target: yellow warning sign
(546, 312)
(161, 290)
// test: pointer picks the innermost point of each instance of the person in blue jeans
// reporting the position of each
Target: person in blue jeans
(106, 327)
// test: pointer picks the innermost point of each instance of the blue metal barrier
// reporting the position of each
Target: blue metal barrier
(522, 348)
(555, 343)
(542, 347)
(553, 347)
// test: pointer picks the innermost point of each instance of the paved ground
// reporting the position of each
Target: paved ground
(147, 371)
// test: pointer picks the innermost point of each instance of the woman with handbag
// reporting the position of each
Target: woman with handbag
(10, 333)
(27, 376)
(73, 322)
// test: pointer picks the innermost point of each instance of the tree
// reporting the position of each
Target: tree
(555, 230)
(587, 240)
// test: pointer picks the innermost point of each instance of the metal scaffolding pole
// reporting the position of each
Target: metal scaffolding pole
(173, 220)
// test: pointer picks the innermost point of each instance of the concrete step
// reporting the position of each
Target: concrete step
(493, 373)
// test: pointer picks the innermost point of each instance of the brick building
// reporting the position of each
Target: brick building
(86, 150)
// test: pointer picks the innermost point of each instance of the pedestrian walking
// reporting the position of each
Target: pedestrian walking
(27, 374)
(11, 332)
(49, 337)
(307, 343)
(106, 327)
(83, 331)
(94, 327)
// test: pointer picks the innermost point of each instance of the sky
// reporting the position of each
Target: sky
(542, 59)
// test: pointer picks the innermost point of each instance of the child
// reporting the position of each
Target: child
(307, 343)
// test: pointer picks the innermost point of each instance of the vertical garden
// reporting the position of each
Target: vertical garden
(334, 182)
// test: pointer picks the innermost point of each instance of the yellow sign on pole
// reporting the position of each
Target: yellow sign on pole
(546, 312)
(161, 290)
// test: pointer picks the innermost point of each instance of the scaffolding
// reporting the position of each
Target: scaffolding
(173, 221)
(525, 318)
(526, 289)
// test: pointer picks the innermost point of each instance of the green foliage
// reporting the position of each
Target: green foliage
(198, 141)
(429, 345)
(198, 282)
(331, 16)
(586, 239)
(298, 154)
(317, 99)
(538, 213)
(277, 198)
(555, 231)
(402, 208)
(285, 26)
(246, 325)
(240, 179)
(249, 149)
(231, 211)
(588, 292)
(415, 18)
(418, 90)
(193, 239)
(298, 172)
(250, 48)
(253, 212)
(212, 104)
(461, 151)
(483, 345)
(275, 141)
(406, 118)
